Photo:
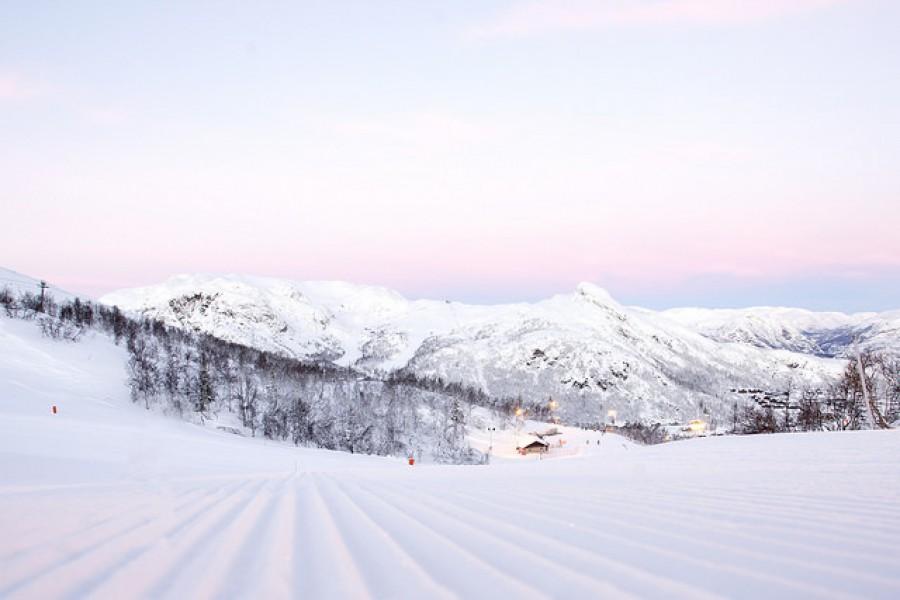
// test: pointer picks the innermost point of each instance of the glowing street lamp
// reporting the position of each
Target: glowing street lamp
(553, 404)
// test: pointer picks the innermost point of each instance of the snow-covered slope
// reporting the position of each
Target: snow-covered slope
(107, 500)
(584, 348)
(346, 323)
(821, 333)
(18, 283)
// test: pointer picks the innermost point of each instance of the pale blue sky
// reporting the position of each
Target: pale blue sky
(709, 152)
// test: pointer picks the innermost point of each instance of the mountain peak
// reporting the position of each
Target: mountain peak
(595, 294)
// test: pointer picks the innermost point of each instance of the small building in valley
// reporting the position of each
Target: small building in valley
(534, 447)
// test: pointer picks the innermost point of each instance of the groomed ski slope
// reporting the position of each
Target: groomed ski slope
(105, 500)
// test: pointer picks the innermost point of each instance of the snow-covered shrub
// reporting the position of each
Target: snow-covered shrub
(57, 329)
(643, 433)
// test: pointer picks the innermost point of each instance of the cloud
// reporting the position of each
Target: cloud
(548, 15)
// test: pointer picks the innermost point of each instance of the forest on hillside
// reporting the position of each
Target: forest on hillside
(200, 377)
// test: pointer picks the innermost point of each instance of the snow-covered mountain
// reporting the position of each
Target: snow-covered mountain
(584, 348)
(798, 330)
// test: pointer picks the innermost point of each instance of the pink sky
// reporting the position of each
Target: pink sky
(655, 147)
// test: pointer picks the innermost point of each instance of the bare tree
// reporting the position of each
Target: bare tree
(809, 415)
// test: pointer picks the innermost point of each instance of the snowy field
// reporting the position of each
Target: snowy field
(104, 500)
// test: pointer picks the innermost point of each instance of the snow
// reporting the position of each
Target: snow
(19, 283)
(107, 500)
(570, 442)
(800, 330)
(584, 348)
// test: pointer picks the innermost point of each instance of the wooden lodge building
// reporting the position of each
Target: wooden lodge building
(534, 447)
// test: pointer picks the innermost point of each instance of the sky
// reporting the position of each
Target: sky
(675, 152)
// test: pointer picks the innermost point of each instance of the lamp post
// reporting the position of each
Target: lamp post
(491, 430)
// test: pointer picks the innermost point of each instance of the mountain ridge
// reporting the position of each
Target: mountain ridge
(584, 348)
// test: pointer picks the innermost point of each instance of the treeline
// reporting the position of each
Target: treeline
(507, 406)
(837, 407)
(200, 377)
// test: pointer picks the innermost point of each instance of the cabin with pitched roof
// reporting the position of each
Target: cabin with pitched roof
(536, 446)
